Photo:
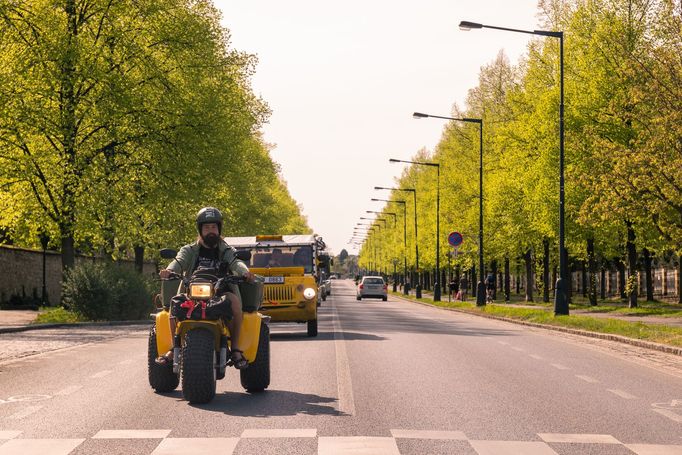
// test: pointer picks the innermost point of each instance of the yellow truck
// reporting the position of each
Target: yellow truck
(290, 266)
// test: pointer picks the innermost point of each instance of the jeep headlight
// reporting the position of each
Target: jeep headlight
(309, 293)
(200, 291)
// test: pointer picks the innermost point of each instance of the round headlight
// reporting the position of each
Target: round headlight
(309, 293)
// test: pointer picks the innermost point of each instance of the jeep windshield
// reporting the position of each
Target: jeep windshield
(281, 256)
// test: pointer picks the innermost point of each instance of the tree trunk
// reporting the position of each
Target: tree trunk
(591, 263)
(583, 279)
(473, 281)
(602, 284)
(620, 265)
(569, 277)
(528, 258)
(679, 278)
(68, 254)
(545, 270)
(507, 291)
(648, 275)
(493, 270)
(517, 278)
(139, 258)
(632, 266)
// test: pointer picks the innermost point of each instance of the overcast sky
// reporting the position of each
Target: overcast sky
(343, 78)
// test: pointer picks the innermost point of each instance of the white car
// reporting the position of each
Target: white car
(372, 286)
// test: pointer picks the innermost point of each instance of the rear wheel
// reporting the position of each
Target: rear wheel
(161, 377)
(198, 366)
(256, 377)
(312, 328)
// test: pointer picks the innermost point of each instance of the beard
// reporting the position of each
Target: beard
(211, 240)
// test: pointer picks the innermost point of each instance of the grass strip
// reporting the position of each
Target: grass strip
(656, 333)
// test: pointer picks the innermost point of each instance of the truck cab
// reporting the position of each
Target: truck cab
(290, 267)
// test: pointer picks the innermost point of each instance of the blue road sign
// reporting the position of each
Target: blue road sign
(455, 239)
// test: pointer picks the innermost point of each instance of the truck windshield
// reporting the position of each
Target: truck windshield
(282, 256)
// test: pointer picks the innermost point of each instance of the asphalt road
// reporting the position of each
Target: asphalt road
(381, 378)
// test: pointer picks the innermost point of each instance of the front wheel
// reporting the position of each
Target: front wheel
(198, 366)
(312, 328)
(256, 377)
(161, 377)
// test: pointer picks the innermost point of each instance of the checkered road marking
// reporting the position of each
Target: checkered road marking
(11, 442)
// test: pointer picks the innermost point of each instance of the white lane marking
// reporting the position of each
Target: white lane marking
(654, 449)
(357, 446)
(196, 446)
(589, 379)
(559, 366)
(518, 349)
(511, 448)
(27, 411)
(280, 433)
(126, 362)
(131, 434)
(622, 394)
(343, 379)
(426, 434)
(39, 446)
(69, 390)
(579, 438)
(535, 356)
(669, 414)
(29, 397)
(504, 343)
(9, 434)
(101, 374)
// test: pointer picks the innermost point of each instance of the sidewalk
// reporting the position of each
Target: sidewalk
(17, 318)
(647, 319)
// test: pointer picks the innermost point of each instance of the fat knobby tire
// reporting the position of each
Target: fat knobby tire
(161, 377)
(256, 377)
(198, 372)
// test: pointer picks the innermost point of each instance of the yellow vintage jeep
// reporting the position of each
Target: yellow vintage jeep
(289, 266)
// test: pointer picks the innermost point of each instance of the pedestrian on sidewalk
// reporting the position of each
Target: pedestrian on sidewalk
(463, 287)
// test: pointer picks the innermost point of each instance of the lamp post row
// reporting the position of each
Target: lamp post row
(561, 297)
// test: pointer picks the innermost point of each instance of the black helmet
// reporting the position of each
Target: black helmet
(209, 215)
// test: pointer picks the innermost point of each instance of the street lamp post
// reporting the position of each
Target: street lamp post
(418, 287)
(436, 283)
(480, 287)
(561, 295)
(406, 290)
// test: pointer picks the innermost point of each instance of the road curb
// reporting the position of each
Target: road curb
(24, 328)
(603, 336)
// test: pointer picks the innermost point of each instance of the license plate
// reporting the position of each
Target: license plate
(274, 279)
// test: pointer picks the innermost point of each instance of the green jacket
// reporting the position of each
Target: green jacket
(185, 263)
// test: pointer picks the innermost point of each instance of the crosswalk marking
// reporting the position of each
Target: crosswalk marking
(426, 434)
(669, 414)
(511, 448)
(357, 446)
(196, 446)
(579, 438)
(131, 434)
(650, 449)
(39, 446)
(280, 433)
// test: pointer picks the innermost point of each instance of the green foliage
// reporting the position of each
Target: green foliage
(119, 120)
(623, 143)
(107, 291)
(58, 315)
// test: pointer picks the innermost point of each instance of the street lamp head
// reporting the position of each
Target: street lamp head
(466, 25)
(419, 115)
(393, 160)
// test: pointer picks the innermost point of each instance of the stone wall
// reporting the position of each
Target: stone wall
(21, 272)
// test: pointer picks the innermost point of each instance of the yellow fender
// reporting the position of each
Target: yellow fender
(164, 337)
(250, 335)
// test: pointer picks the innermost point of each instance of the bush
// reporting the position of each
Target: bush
(107, 291)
